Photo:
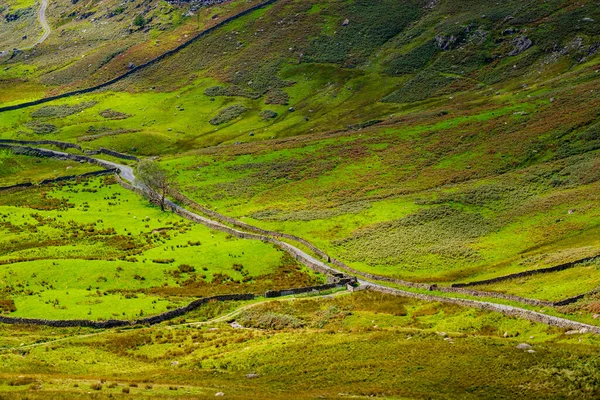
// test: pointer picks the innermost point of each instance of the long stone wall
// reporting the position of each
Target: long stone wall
(121, 323)
(504, 309)
(113, 153)
(59, 179)
(60, 145)
(286, 292)
(168, 315)
(35, 152)
(575, 299)
(86, 175)
(17, 186)
(431, 287)
(524, 274)
(139, 67)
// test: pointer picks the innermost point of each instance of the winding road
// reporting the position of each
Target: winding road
(43, 22)
(41, 16)
(126, 173)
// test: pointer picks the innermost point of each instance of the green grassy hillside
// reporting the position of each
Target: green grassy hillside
(433, 141)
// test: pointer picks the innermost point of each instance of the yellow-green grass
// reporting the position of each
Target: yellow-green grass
(551, 286)
(99, 250)
(312, 189)
(16, 169)
(17, 4)
(364, 344)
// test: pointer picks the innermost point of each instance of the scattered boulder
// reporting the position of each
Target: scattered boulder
(431, 4)
(445, 42)
(252, 376)
(521, 44)
(523, 346)
(588, 19)
(219, 394)
(346, 22)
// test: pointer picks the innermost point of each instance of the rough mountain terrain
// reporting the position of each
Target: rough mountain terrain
(443, 154)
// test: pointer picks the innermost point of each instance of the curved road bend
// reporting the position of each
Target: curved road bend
(43, 22)
(127, 173)
(41, 16)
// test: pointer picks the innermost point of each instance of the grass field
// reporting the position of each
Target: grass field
(16, 169)
(95, 249)
(552, 286)
(438, 142)
(356, 345)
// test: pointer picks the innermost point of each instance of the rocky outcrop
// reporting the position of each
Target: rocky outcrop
(445, 43)
(521, 44)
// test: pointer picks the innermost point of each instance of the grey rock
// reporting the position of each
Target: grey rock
(445, 42)
(521, 44)
(523, 346)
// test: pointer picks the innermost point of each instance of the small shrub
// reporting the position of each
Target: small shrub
(139, 20)
(41, 128)
(277, 96)
(96, 386)
(186, 269)
(268, 114)
(163, 261)
(228, 114)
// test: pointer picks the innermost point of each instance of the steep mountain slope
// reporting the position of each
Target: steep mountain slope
(421, 144)
(433, 132)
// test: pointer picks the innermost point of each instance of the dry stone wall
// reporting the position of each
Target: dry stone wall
(431, 287)
(524, 274)
(35, 152)
(60, 145)
(121, 323)
(504, 309)
(113, 153)
(141, 66)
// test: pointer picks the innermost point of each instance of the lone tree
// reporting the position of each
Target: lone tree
(155, 178)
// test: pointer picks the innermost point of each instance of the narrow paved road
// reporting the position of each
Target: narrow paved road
(128, 174)
(43, 22)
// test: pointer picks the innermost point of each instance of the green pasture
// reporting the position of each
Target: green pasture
(415, 348)
(16, 169)
(551, 286)
(97, 249)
